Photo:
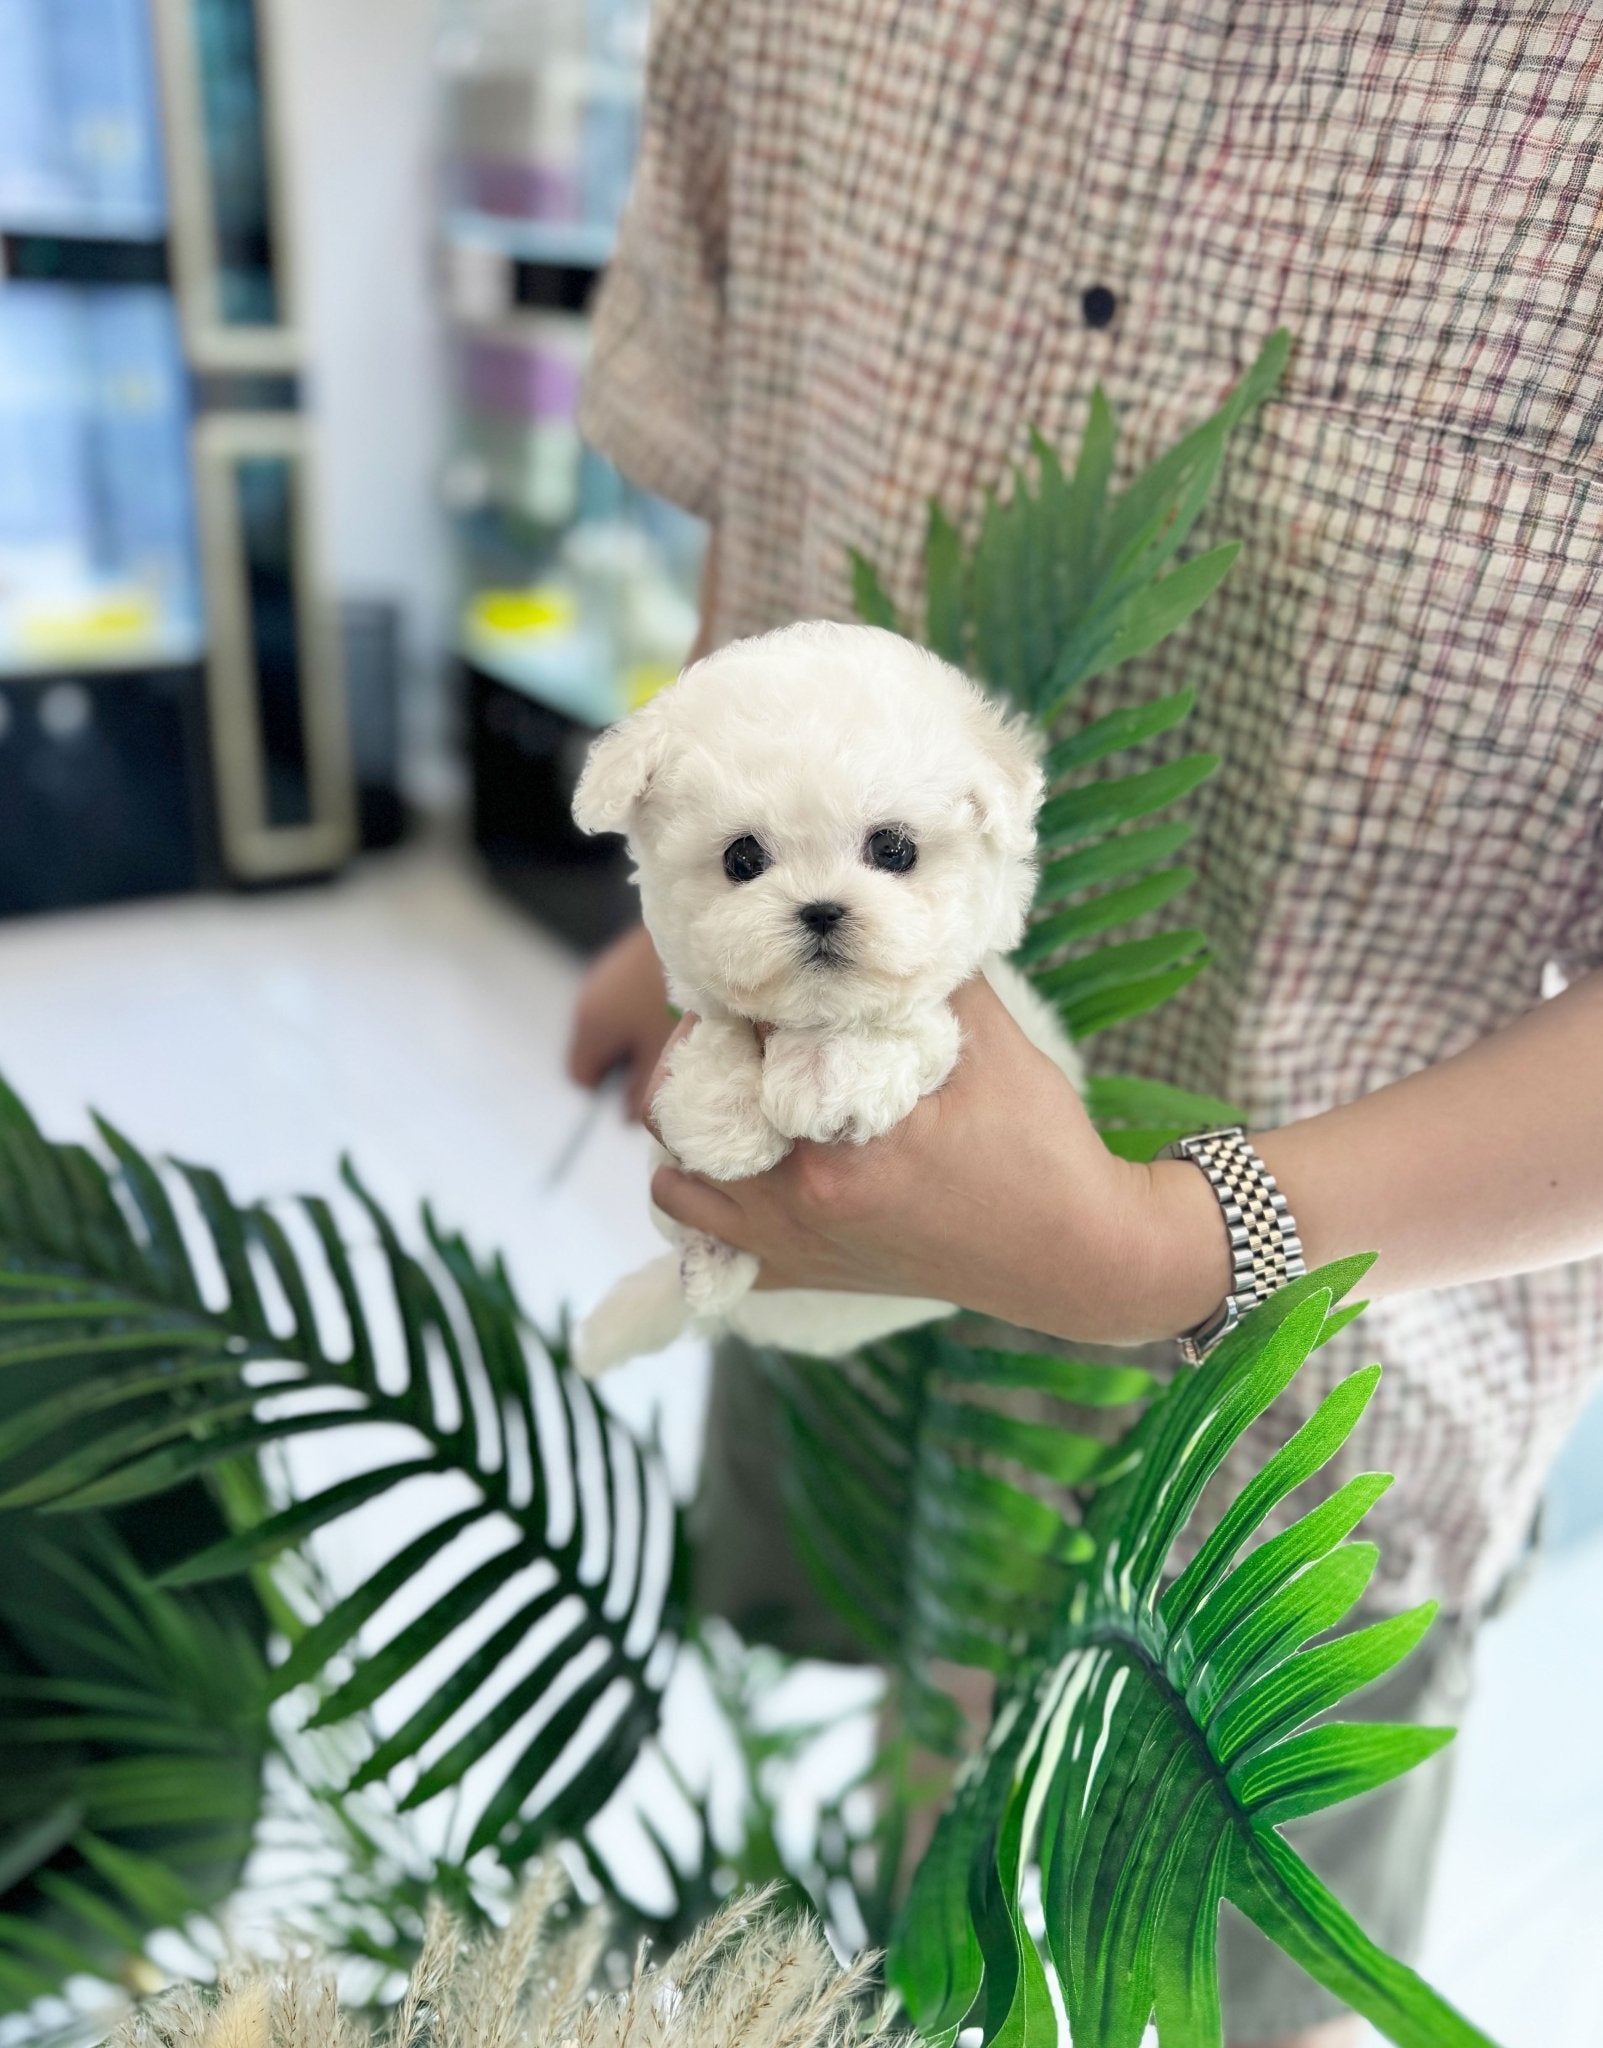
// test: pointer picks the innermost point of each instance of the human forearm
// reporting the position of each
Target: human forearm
(1487, 1163)
(1484, 1164)
(997, 1193)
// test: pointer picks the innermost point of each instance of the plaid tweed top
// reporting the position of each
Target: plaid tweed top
(872, 241)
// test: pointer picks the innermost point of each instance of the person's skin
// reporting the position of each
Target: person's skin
(622, 1019)
(997, 1193)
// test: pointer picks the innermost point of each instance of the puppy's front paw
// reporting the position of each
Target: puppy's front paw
(709, 1110)
(831, 1085)
(712, 1275)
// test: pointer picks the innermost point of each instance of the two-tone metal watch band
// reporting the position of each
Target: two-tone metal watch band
(1265, 1250)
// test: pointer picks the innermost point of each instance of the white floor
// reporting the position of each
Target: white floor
(410, 1017)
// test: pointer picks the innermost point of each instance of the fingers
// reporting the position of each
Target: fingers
(697, 1204)
(591, 1054)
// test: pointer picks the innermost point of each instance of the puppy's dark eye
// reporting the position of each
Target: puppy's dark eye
(745, 859)
(892, 849)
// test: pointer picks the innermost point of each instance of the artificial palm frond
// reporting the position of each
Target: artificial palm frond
(244, 1326)
(748, 1978)
(1166, 1727)
(1066, 578)
(133, 1728)
(894, 1475)
(1099, 1760)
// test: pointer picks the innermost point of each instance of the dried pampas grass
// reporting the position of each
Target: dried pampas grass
(751, 1977)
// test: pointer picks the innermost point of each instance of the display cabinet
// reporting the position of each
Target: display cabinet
(171, 708)
(577, 592)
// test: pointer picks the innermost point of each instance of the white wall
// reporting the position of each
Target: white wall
(359, 111)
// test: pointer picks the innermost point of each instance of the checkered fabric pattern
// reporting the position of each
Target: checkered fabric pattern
(870, 243)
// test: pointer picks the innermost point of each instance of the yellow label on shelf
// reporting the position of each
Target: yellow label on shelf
(545, 609)
(88, 626)
(645, 679)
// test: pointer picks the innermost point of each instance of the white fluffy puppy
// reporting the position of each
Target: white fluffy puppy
(832, 829)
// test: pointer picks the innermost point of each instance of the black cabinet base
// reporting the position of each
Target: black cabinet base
(525, 760)
(104, 788)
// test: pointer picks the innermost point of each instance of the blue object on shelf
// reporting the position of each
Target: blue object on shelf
(98, 548)
(609, 141)
(44, 447)
(144, 527)
(80, 127)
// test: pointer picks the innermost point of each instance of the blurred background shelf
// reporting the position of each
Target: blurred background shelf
(174, 707)
(575, 594)
(580, 245)
(70, 223)
(189, 258)
(112, 656)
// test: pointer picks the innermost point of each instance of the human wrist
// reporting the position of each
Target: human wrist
(1150, 1259)
(1182, 1271)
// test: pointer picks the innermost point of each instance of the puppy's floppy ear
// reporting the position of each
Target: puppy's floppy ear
(1007, 789)
(619, 770)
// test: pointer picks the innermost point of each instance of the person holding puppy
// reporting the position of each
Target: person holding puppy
(869, 247)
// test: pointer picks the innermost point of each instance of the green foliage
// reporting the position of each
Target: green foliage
(1065, 578)
(567, 1522)
(1154, 1730)
(893, 1476)
(133, 1727)
(1069, 578)
(1146, 1744)
(1160, 1734)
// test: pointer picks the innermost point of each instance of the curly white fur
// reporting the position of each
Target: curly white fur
(809, 742)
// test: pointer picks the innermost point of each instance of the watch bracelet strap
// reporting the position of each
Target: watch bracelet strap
(1265, 1250)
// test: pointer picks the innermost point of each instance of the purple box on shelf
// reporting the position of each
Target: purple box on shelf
(522, 190)
(533, 373)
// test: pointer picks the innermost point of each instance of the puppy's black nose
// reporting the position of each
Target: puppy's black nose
(821, 917)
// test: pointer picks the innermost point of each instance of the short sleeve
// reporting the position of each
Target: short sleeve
(653, 398)
(1581, 949)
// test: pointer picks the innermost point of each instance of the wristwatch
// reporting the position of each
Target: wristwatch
(1265, 1250)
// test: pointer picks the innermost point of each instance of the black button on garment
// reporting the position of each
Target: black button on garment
(1098, 305)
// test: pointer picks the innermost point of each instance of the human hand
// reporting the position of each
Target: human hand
(995, 1193)
(622, 1017)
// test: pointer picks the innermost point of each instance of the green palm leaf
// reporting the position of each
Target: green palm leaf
(133, 1727)
(967, 1547)
(1165, 1729)
(910, 1490)
(301, 1328)
(1066, 579)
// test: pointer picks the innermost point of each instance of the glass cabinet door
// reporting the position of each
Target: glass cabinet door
(279, 740)
(230, 257)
